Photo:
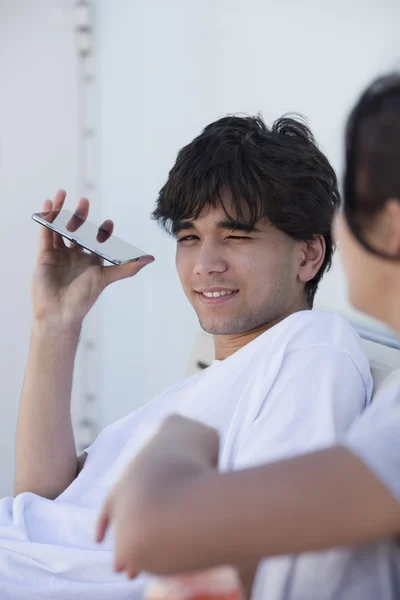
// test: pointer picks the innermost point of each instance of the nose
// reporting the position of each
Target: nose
(210, 259)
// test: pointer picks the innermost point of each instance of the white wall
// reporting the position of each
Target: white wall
(155, 69)
(167, 69)
(38, 154)
(310, 57)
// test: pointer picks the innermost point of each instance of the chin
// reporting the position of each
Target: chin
(224, 327)
(215, 326)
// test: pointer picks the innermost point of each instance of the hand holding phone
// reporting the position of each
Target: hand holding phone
(97, 239)
(67, 280)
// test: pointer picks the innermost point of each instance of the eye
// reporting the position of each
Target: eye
(239, 237)
(187, 238)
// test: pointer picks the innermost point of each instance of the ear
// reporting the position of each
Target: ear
(311, 258)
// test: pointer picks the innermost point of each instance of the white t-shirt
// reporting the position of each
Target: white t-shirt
(368, 572)
(375, 436)
(296, 387)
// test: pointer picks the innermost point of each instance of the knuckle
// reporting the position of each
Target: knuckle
(173, 420)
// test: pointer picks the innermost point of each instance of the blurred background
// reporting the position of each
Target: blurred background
(97, 98)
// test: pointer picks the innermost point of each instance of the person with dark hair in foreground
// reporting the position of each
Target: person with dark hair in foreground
(173, 512)
(250, 208)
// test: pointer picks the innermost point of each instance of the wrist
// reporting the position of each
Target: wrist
(54, 329)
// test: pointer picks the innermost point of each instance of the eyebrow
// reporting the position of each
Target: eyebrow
(182, 226)
(226, 224)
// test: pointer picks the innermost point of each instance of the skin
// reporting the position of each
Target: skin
(172, 496)
(373, 282)
(266, 270)
(66, 284)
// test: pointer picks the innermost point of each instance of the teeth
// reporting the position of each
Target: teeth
(216, 294)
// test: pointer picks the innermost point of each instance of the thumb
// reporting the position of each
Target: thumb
(116, 273)
(104, 520)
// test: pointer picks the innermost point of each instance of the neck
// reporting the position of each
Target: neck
(226, 345)
(390, 310)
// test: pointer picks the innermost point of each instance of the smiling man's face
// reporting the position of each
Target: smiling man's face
(237, 280)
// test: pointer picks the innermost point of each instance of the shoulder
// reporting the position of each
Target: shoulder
(314, 331)
(319, 328)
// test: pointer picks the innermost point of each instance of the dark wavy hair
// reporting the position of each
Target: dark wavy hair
(372, 171)
(278, 173)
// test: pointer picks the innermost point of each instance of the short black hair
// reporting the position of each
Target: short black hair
(372, 170)
(278, 173)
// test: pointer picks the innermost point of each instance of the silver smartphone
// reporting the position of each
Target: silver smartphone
(90, 236)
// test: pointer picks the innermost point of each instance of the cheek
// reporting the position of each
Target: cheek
(357, 267)
(183, 268)
(260, 273)
(246, 266)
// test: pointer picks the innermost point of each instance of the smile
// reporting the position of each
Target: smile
(216, 296)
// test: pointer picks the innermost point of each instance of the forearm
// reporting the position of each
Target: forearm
(307, 503)
(46, 461)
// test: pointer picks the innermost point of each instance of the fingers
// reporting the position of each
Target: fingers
(121, 562)
(48, 239)
(113, 274)
(113, 510)
(132, 574)
(104, 519)
(58, 241)
(59, 199)
(80, 215)
(58, 203)
(46, 235)
(123, 555)
(82, 210)
(192, 434)
(78, 219)
(105, 231)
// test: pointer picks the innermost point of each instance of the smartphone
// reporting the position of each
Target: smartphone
(90, 236)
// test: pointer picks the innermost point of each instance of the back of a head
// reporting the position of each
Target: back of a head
(372, 153)
(278, 173)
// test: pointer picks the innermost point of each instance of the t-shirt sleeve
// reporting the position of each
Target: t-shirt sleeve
(106, 434)
(317, 394)
(375, 437)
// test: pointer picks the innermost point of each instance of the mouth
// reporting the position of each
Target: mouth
(216, 296)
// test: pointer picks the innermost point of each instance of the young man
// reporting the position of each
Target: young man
(172, 511)
(251, 210)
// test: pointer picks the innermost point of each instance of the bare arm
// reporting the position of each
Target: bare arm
(308, 503)
(176, 522)
(65, 286)
(46, 460)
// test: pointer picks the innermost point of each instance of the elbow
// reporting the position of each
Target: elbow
(49, 494)
(45, 482)
(18, 490)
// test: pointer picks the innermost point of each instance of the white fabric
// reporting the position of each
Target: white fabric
(375, 437)
(372, 571)
(296, 387)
